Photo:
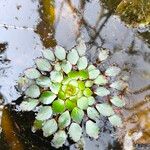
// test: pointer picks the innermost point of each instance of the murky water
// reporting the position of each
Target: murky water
(28, 26)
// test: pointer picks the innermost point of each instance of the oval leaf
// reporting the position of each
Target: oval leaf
(55, 87)
(91, 100)
(92, 113)
(32, 73)
(81, 47)
(56, 76)
(115, 120)
(33, 91)
(66, 66)
(119, 85)
(73, 56)
(117, 101)
(43, 81)
(87, 92)
(101, 91)
(112, 71)
(82, 63)
(60, 52)
(82, 103)
(101, 80)
(48, 54)
(58, 106)
(93, 74)
(103, 54)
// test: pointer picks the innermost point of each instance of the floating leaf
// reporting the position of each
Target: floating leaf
(43, 81)
(81, 47)
(29, 105)
(70, 104)
(83, 74)
(32, 73)
(75, 132)
(64, 120)
(81, 85)
(57, 66)
(55, 87)
(105, 109)
(87, 92)
(43, 64)
(91, 67)
(48, 54)
(92, 129)
(77, 115)
(56, 76)
(82, 63)
(59, 139)
(103, 54)
(82, 103)
(93, 74)
(73, 75)
(119, 85)
(115, 120)
(49, 128)
(62, 95)
(58, 106)
(91, 100)
(112, 71)
(74, 83)
(117, 101)
(44, 113)
(92, 113)
(47, 97)
(66, 66)
(33, 91)
(89, 83)
(73, 56)
(38, 124)
(101, 80)
(101, 91)
(60, 52)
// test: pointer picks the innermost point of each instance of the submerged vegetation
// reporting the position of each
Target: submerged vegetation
(67, 92)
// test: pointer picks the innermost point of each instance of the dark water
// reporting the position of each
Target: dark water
(28, 26)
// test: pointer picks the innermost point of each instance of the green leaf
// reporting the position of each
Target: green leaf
(43, 64)
(66, 66)
(56, 76)
(58, 106)
(70, 105)
(55, 87)
(101, 91)
(105, 109)
(117, 101)
(66, 80)
(83, 74)
(81, 47)
(101, 80)
(103, 54)
(92, 129)
(82, 63)
(119, 85)
(33, 91)
(82, 103)
(115, 120)
(73, 56)
(49, 128)
(91, 100)
(38, 124)
(93, 74)
(43, 81)
(47, 97)
(73, 75)
(73, 83)
(61, 94)
(92, 113)
(112, 71)
(44, 113)
(60, 52)
(64, 120)
(32, 73)
(89, 83)
(29, 105)
(87, 92)
(77, 115)
(59, 139)
(75, 132)
(48, 54)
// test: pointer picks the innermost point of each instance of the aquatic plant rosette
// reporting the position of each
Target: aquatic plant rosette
(69, 94)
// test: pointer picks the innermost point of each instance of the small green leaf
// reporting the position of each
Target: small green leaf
(82, 63)
(89, 83)
(91, 100)
(87, 92)
(32, 73)
(73, 56)
(92, 113)
(93, 74)
(82, 103)
(66, 66)
(92, 129)
(43, 64)
(58, 106)
(115, 120)
(112, 71)
(73, 75)
(61, 94)
(48, 54)
(43, 81)
(47, 97)
(81, 85)
(81, 47)
(75, 132)
(44, 113)
(29, 105)
(101, 80)
(70, 105)
(55, 87)
(119, 85)
(38, 124)
(105, 109)
(56, 76)
(66, 80)
(64, 120)
(77, 115)
(59, 139)
(33, 91)
(73, 83)
(101, 91)
(83, 74)
(49, 128)
(60, 52)
(103, 54)
(117, 101)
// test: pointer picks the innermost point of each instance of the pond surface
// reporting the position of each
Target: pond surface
(28, 26)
